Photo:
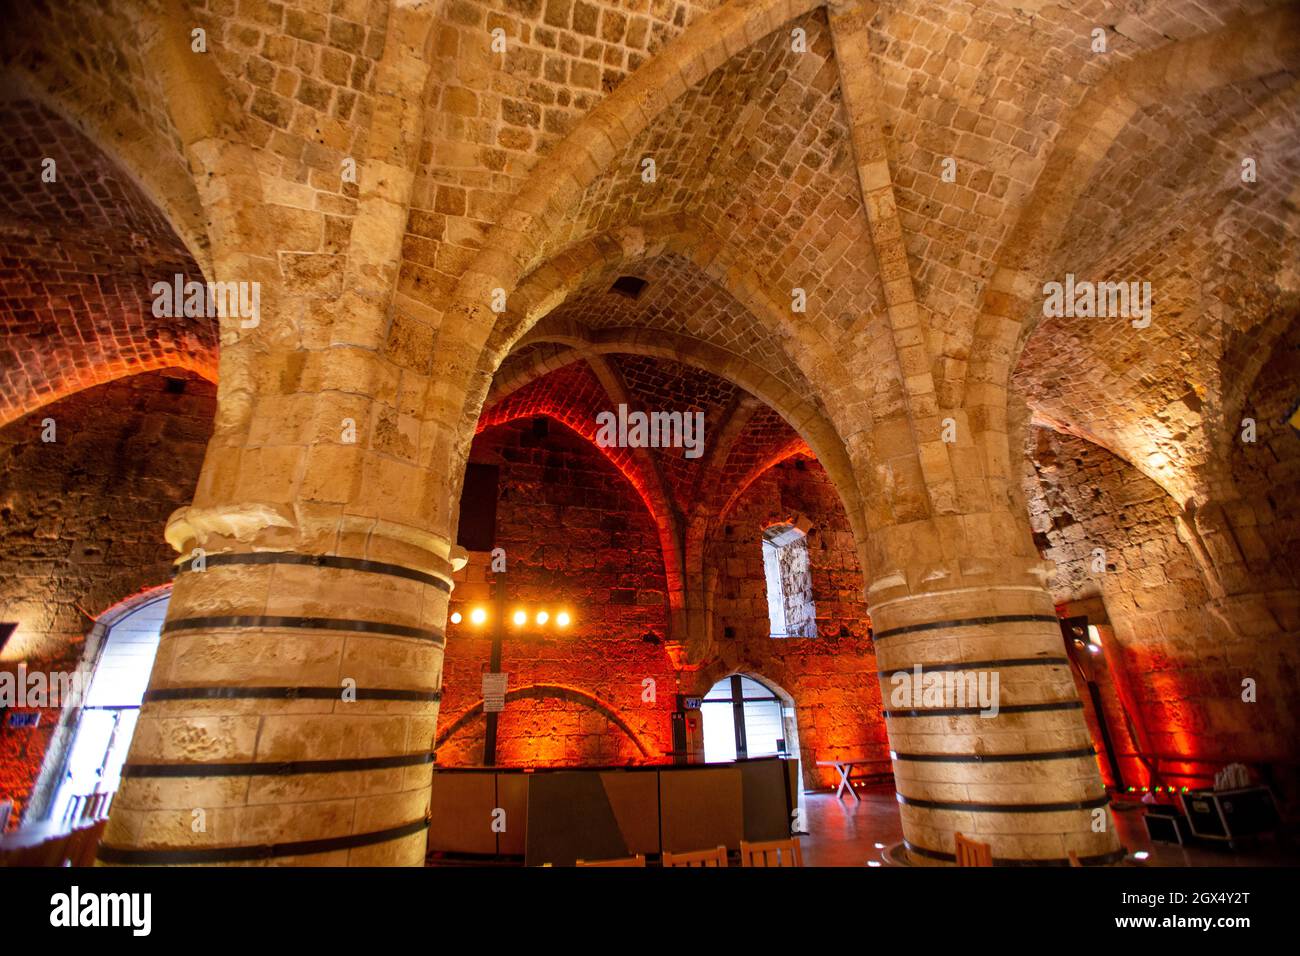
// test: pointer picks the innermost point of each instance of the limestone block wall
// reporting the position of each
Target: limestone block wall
(81, 524)
(576, 534)
(1263, 515)
(78, 259)
(832, 677)
(1181, 665)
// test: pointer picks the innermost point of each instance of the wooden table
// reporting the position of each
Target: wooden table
(844, 766)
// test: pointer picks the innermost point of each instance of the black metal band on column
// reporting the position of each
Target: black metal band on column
(242, 621)
(1104, 859)
(998, 758)
(313, 560)
(968, 622)
(979, 711)
(978, 665)
(963, 807)
(282, 769)
(287, 693)
(243, 854)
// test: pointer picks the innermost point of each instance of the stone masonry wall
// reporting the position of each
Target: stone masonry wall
(1265, 519)
(81, 525)
(1181, 665)
(576, 535)
(832, 677)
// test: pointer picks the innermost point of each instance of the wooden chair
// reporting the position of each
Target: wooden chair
(772, 853)
(637, 860)
(714, 857)
(85, 843)
(972, 852)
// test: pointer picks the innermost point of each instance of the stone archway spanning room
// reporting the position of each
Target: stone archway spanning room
(655, 549)
(383, 473)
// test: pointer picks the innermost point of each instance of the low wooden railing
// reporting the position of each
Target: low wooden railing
(68, 848)
(87, 808)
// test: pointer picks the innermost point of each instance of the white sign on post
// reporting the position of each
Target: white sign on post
(494, 693)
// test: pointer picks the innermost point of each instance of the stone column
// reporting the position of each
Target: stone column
(969, 598)
(291, 711)
(290, 715)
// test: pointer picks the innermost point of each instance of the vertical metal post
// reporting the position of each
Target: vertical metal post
(498, 631)
(738, 716)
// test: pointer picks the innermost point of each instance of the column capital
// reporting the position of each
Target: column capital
(972, 575)
(310, 529)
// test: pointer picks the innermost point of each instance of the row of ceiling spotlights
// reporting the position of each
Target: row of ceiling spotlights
(479, 615)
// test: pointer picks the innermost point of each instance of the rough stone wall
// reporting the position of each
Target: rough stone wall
(78, 259)
(832, 678)
(1182, 665)
(1265, 518)
(446, 132)
(81, 524)
(576, 534)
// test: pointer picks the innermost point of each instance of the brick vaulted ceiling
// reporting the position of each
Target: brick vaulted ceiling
(742, 437)
(757, 156)
(1212, 247)
(78, 257)
(759, 152)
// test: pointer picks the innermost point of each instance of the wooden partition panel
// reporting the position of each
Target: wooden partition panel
(634, 798)
(765, 785)
(561, 816)
(570, 818)
(512, 797)
(701, 808)
(460, 813)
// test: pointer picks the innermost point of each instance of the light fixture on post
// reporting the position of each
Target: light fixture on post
(493, 675)
(520, 617)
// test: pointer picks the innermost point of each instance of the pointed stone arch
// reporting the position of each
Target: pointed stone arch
(808, 421)
(556, 184)
(1245, 49)
(639, 469)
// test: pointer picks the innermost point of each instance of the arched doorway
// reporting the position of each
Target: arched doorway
(745, 717)
(84, 773)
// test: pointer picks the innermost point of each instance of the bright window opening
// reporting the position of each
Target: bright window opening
(790, 608)
(102, 735)
(743, 718)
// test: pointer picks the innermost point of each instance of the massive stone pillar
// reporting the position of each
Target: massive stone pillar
(290, 715)
(291, 712)
(967, 597)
